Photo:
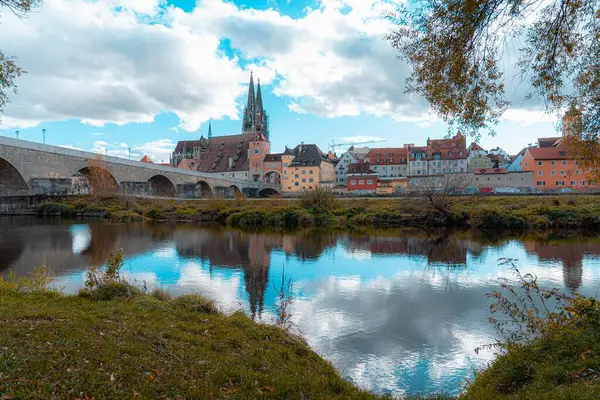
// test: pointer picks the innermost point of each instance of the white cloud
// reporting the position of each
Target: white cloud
(362, 139)
(110, 65)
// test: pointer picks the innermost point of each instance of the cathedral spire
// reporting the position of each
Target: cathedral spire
(250, 110)
(209, 129)
(259, 104)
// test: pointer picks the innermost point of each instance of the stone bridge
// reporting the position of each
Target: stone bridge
(34, 168)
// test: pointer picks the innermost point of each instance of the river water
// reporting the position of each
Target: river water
(396, 312)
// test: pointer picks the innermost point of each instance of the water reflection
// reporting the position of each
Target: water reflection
(397, 312)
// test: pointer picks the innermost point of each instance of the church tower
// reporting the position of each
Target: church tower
(255, 117)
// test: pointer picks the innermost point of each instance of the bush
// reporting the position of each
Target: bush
(155, 214)
(37, 281)
(318, 199)
(492, 219)
(196, 303)
(161, 295)
(108, 284)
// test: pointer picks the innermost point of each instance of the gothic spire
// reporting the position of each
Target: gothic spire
(250, 104)
(209, 129)
(259, 104)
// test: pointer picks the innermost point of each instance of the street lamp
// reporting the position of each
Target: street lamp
(44, 134)
(17, 133)
(129, 148)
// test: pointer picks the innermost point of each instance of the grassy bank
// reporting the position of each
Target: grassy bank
(144, 346)
(484, 213)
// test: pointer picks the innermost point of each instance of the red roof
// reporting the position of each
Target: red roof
(189, 164)
(417, 149)
(385, 155)
(360, 169)
(550, 153)
(146, 160)
(222, 148)
(448, 149)
(475, 146)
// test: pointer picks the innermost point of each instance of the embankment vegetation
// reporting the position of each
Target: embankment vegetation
(321, 209)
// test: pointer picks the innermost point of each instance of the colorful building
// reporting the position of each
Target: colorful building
(388, 162)
(352, 155)
(555, 168)
(417, 160)
(391, 185)
(361, 177)
(477, 158)
(447, 156)
(308, 168)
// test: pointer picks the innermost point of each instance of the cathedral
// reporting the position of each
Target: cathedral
(233, 156)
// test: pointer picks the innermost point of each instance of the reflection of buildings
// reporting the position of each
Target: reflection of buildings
(570, 253)
(446, 250)
(63, 246)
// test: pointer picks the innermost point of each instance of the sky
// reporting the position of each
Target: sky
(109, 75)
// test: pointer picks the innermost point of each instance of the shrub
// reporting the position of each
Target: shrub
(155, 213)
(492, 219)
(196, 303)
(108, 284)
(37, 281)
(318, 199)
(161, 295)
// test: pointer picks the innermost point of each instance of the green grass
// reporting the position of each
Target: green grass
(56, 346)
(564, 366)
(581, 212)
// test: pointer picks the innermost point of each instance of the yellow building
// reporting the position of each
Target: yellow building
(306, 167)
(391, 185)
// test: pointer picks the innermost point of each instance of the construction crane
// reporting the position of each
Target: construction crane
(333, 144)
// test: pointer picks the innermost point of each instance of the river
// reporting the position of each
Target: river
(396, 312)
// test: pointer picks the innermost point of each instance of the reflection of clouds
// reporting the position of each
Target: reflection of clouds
(221, 288)
(166, 250)
(356, 254)
(82, 236)
(401, 334)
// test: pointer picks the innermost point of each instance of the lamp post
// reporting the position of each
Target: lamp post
(17, 133)
(44, 135)
(129, 148)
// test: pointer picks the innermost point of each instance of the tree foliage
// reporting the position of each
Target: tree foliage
(9, 71)
(455, 48)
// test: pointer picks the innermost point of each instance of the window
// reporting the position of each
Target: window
(303, 180)
(540, 163)
(553, 172)
(450, 154)
(564, 162)
(562, 172)
(540, 183)
(353, 182)
(552, 163)
(361, 182)
(303, 172)
(560, 183)
(311, 171)
(527, 164)
(296, 184)
(577, 172)
(582, 183)
(573, 183)
(369, 182)
(460, 153)
(576, 162)
(540, 172)
(296, 176)
(311, 180)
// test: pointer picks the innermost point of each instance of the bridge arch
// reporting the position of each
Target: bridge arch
(162, 186)
(235, 191)
(94, 179)
(204, 189)
(11, 180)
(268, 192)
(273, 177)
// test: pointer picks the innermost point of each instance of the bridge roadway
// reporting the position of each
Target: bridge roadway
(24, 164)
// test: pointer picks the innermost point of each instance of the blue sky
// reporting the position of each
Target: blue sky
(147, 73)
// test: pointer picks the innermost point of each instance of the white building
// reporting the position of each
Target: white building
(388, 162)
(351, 156)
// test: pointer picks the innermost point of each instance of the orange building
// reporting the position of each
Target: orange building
(555, 168)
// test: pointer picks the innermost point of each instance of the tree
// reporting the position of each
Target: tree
(455, 47)
(441, 191)
(9, 70)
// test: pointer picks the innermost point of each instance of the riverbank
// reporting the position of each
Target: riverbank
(153, 346)
(57, 346)
(580, 212)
